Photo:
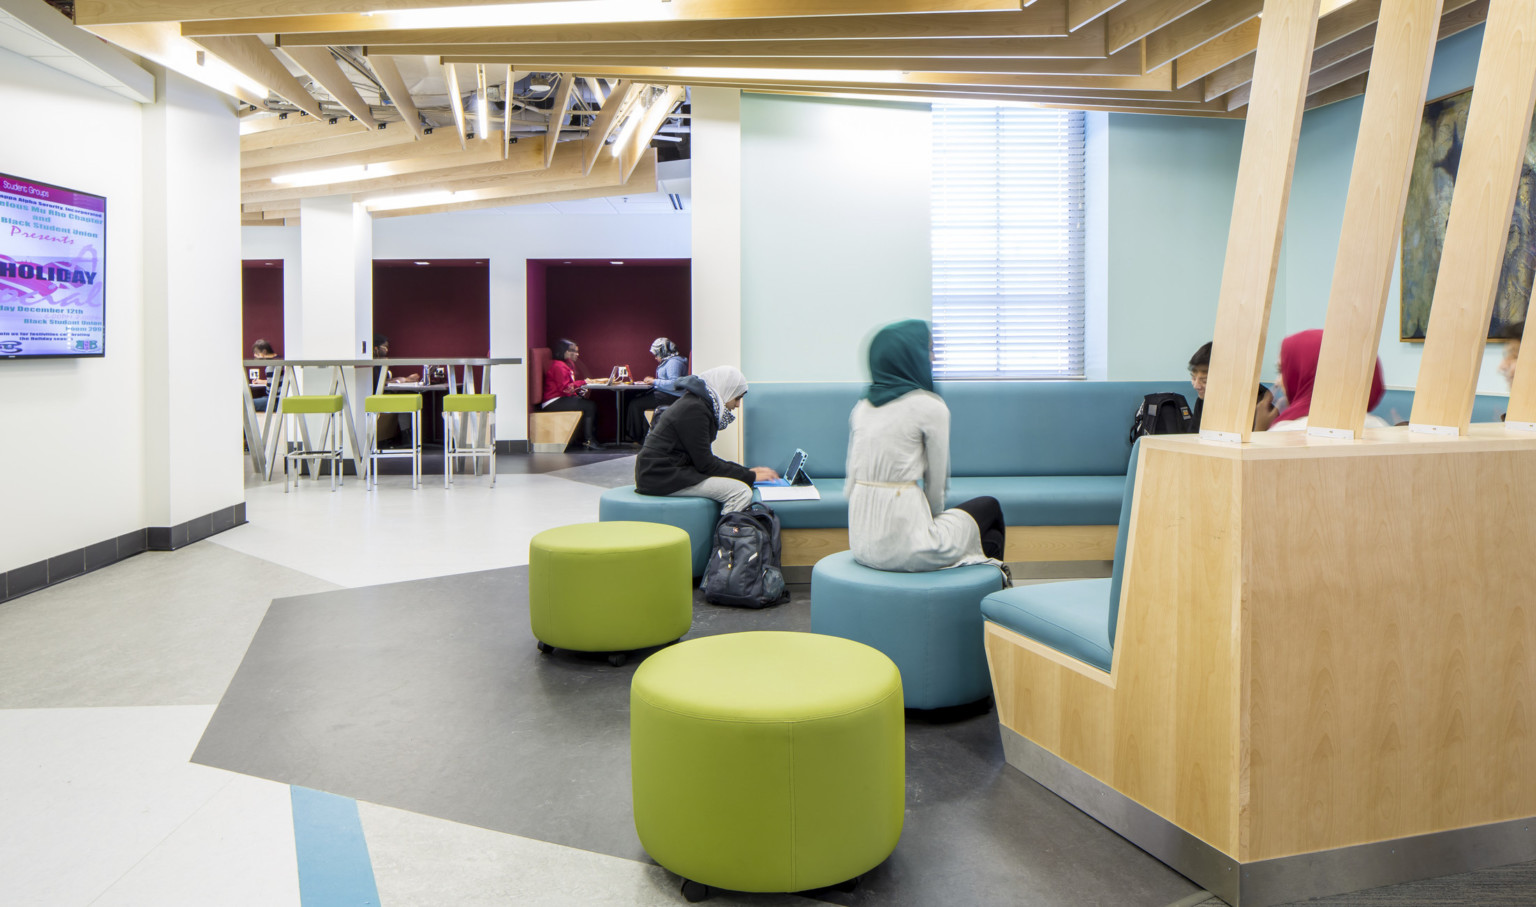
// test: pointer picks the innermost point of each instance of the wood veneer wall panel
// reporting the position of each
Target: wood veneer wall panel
(1492, 151)
(1373, 214)
(1286, 34)
(1391, 670)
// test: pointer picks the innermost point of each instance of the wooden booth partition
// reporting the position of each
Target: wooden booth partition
(1325, 666)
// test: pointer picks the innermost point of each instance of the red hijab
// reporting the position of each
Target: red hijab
(1298, 370)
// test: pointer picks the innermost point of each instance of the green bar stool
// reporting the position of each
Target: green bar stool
(392, 403)
(328, 405)
(479, 410)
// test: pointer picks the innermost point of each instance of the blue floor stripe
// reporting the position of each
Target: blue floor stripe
(334, 869)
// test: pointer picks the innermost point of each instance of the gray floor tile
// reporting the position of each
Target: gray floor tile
(161, 628)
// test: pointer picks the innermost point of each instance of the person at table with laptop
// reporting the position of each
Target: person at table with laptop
(564, 392)
(899, 434)
(671, 366)
(392, 431)
(677, 458)
(261, 383)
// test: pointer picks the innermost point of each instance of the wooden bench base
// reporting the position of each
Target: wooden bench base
(551, 432)
(804, 547)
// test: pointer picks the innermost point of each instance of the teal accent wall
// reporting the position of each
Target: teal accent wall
(834, 231)
(1323, 160)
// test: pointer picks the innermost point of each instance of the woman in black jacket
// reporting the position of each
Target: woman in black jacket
(677, 458)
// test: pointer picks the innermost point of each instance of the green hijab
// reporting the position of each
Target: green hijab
(899, 361)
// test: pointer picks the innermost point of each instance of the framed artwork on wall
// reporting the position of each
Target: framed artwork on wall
(1429, 207)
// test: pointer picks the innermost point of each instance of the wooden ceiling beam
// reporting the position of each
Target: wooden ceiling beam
(1135, 19)
(1155, 100)
(1043, 19)
(322, 67)
(651, 119)
(1161, 80)
(1084, 12)
(608, 119)
(326, 148)
(399, 174)
(1351, 55)
(455, 101)
(642, 182)
(1217, 53)
(1204, 25)
(1341, 92)
(251, 58)
(558, 114)
(400, 96)
(1334, 26)
(564, 176)
(107, 12)
(1126, 63)
(1087, 44)
(1071, 103)
(443, 143)
(305, 129)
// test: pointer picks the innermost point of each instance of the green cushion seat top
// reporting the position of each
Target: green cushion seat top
(392, 403)
(469, 403)
(610, 587)
(308, 404)
(768, 761)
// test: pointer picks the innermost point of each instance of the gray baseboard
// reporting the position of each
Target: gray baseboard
(23, 580)
(512, 447)
(1284, 879)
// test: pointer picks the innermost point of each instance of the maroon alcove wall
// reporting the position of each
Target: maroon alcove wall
(613, 312)
(261, 304)
(440, 309)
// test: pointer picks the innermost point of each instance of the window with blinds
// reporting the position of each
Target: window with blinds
(1007, 242)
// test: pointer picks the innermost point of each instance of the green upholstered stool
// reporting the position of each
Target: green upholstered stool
(392, 403)
(609, 587)
(330, 446)
(767, 761)
(479, 413)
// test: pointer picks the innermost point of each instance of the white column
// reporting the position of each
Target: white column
(716, 162)
(335, 316)
(193, 461)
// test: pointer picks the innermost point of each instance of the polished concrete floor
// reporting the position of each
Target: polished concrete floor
(339, 703)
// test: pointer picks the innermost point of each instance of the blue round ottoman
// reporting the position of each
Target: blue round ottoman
(695, 516)
(928, 623)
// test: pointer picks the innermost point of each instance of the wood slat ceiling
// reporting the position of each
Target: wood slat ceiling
(612, 63)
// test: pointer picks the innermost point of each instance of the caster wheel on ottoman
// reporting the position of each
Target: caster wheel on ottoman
(609, 587)
(695, 516)
(930, 624)
(767, 761)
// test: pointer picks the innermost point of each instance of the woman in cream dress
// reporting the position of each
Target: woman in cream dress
(898, 435)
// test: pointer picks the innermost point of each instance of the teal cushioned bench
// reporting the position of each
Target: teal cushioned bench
(1396, 405)
(1076, 617)
(1052, 452)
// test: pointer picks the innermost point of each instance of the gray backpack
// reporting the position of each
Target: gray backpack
(743, 568)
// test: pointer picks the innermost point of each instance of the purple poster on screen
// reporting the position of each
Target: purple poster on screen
(52, 274)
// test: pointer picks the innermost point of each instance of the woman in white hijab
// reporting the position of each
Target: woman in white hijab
(678, 458)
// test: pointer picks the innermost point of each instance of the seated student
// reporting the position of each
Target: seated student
(677, 458)
(261, 387)
(1298, 371)
(564, 392)
(899, 434)
(1264, 410)
(390, 426)
(663, 388)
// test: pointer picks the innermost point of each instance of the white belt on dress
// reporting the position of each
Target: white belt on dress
(885, 484)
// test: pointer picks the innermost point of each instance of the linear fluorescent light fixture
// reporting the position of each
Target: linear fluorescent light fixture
(409, 200)
(482, 105)
(324, 177)
(551, 12)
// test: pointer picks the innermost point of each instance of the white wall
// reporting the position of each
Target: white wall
(80, 433)
(506, 238)
(834, 231)
(717, 225)
(73, 455)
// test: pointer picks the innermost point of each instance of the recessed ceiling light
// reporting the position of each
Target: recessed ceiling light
(615, 262)
(423, 262)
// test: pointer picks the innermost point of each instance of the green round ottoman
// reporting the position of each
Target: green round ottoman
(609, 587)
(767, 761)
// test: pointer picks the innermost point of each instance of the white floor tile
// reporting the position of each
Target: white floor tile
(235, 851)
(420, 860)
(356, 537)
(87, 793)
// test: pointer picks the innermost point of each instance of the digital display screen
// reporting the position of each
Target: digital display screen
(53, 245)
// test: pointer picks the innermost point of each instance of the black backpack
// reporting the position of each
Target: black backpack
(743, 568)
(1162, 414)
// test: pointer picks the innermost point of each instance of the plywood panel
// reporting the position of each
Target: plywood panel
(1258, 215)
(1492, 151)
(1373, 215)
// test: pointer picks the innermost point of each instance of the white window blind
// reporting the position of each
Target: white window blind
(1007, 242)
